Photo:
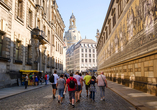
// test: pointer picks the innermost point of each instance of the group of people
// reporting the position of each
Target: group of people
(75, 83)
(33, 79)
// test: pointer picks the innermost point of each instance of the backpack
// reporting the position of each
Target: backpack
(51, 79)
(72, 83)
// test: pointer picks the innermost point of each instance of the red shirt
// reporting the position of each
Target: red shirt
(45, 77)
(68, 82)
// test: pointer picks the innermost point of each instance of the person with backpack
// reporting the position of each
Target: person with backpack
(102, 83)
(60, 86)
(72, 84)
(92, 88)
(54, 78)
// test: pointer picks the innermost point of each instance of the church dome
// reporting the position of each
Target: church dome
(72, 16)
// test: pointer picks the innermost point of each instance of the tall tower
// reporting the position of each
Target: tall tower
(72, 22)
(72, 36)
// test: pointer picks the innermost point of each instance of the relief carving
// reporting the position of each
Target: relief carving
(130, 23)
(116, 41)
(148, 13)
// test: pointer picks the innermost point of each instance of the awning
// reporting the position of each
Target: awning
(29, 71)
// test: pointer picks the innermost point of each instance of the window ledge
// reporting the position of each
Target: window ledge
(5, 5)
(18, 19)
(18, 62)
(5, 59)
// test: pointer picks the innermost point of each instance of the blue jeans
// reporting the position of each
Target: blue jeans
(61, 91)
(102, 91)
(92, 95)
(45, 82)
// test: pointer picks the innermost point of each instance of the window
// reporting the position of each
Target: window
(85, 60)
(38, 23)
(82, 60)
(56, 46)
(89, 60)
(1, 43)
(30, 18)
(109, 22)
(106, 33)
(20, 3)
(93, 55)
(48, 36)
(28, 53)
(53, 39)
(114, 18)
(89, 55)
(82, 55)
(93, 60)
(93, 50)
(17, 50)
(85, 50)
(82, 50)
(89, 50)
(120, 7)
(85, 55)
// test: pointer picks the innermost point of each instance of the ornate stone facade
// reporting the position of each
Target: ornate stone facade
(129, 51)
(31, 38)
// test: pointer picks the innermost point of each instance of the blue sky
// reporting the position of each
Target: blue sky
(90, 15)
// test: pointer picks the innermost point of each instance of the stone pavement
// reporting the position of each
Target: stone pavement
(138, 99)
(10, 91)
(41, 99)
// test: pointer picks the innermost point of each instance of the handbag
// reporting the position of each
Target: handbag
(103, 81)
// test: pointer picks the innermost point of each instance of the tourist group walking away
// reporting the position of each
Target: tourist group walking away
(74, 84)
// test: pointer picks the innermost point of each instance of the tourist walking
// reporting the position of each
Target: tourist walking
(56, 77)
(60, 86)
(81, 83)
(79, 88)
(92, 88)
(26, 81)
(72, 84)
(45, 79)
(87, 78)
(102, 83)
(36, 80)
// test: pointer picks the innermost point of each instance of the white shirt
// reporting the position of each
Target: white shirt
(100, 80)
(55, 78)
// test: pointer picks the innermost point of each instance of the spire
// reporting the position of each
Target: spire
(85, 37)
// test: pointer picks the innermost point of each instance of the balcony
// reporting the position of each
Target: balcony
(39, 34)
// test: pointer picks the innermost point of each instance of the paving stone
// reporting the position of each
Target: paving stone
(41, 99)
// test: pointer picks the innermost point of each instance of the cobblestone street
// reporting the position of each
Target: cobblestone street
(41, 99)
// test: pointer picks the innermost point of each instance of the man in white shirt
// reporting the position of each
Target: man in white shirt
(56, 77)
(102, 82)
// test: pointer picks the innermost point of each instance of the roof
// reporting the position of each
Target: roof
(87, 41)
(72, 16)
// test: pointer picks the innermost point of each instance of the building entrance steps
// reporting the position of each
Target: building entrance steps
(140, 100)
(10, 91)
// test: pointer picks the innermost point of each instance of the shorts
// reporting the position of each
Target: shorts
(79, 88)
(71, 95)
(87, 87)
(61, 91)
(54, 86)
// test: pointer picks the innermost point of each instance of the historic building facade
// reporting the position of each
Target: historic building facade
(82, 56)
(72, 36)
(127, 46)
(31, 38)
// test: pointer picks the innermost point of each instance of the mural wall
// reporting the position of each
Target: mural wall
(130, 54)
